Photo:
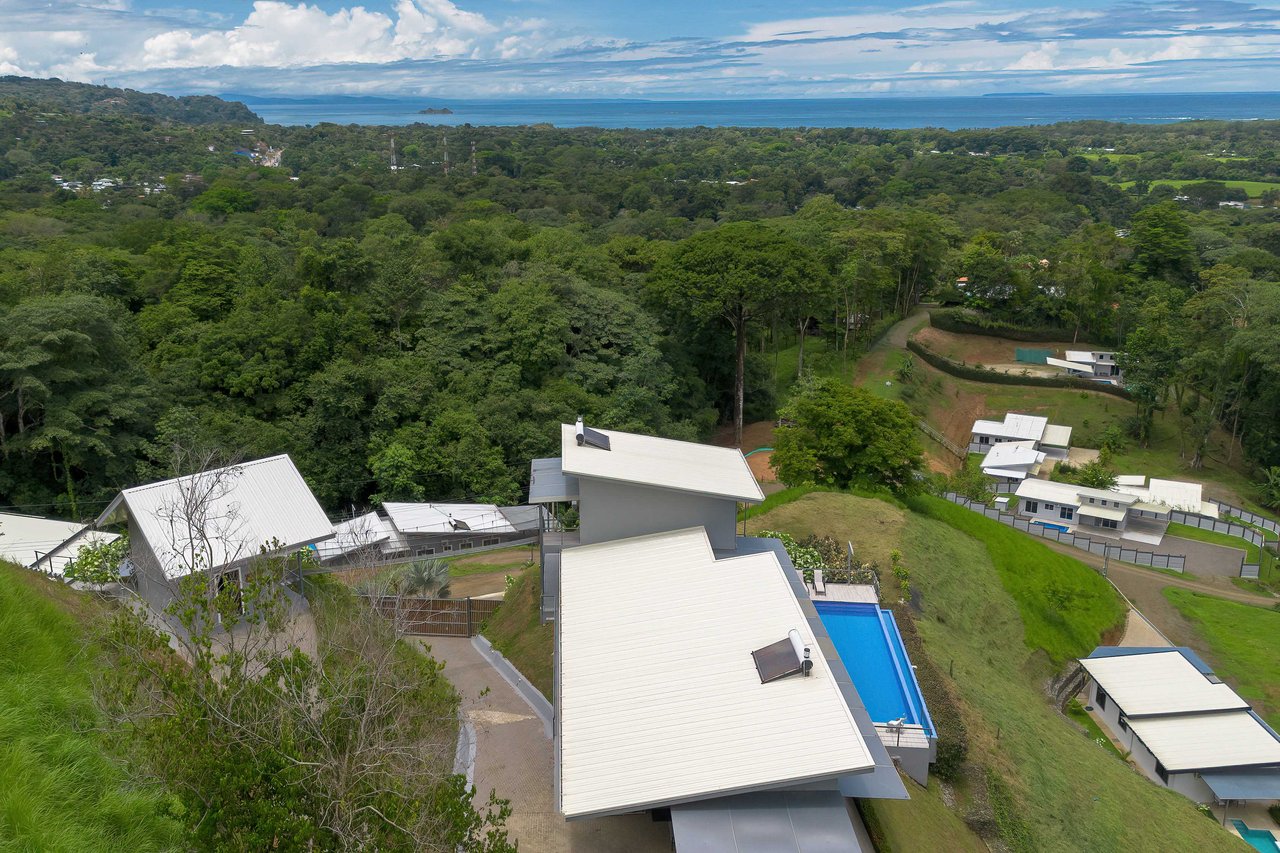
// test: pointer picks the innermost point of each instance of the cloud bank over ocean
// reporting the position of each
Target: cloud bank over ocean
(511, 48)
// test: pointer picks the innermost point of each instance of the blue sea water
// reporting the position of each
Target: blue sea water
(951, 112)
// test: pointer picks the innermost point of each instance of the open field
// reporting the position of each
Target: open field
(60, 790)
(502, 560)
(1254, 189)
(1244, 645)
(1061, 791)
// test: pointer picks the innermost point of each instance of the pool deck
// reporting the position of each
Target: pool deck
(854, 592)
(1254, 815)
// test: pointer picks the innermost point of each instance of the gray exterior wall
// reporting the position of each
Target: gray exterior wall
(1052, 516)
(609, 510)
(152, 586)
(1188, 784)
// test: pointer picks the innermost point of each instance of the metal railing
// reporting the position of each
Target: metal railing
(955, 449)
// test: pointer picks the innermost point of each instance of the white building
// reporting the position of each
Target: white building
(409, 530)
(1011, 462)
(1052, 439)
(1169, 494)
(45, 544)
(219, 521)
(1091, 512)
(1182, 725)
(1090, 364)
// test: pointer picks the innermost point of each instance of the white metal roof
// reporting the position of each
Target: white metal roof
(1203, 741)
(27, 539)
(364, 532)
(1056, 435)
(438, 518)
(1025, 427)
(1012, 454)
(1173, 494)
(1114, 513)
(658, 697)
(1006, 473)
(221, 517)
(1160, 683)
(1069, 493)
(1081, 356)
(663, 463)
(1068, 365)
(1131, 480)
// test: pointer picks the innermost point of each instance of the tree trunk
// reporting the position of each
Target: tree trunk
(71, 486)
(739, 379)
(804, 328)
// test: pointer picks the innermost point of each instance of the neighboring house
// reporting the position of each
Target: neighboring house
(1182, 726)
(45, 544)
(410, 530)
(1091, 512)
(1051, 439)
(1090, 364)
(702, 705)
(1167, 494)
(1011, 462)
(217, 521)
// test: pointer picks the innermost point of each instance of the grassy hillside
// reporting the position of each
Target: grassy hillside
(58, 790)
(998, 611)
(515, 631)
(1244, 643)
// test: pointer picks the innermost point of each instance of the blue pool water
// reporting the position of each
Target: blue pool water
(870, 647)
(1259, 839)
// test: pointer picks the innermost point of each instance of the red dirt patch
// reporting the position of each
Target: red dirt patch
(980, 349)
(758, 434)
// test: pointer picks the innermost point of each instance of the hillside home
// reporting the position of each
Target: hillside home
(730, 712)
(1092, 512)
(217, 521)
(1011, 462)
(1167, 494)
(1090, 364)
(410, 530)
(1051, 439)
(624, 484)
(45, 544)
(1184, 727)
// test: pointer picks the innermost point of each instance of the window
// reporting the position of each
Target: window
(984, 439)
(1033, 506)
(490, 541)
(466, 545)
(1066, 513)
(1091, 500)
(1109, 523)
(1162, 773)
(1048, 507)
(1100, 697)
(1124, 723)
(448, 546)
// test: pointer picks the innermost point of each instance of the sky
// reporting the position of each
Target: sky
(653, 49)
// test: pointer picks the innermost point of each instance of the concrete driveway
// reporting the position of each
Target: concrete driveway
(1204, 558)
(514, 757)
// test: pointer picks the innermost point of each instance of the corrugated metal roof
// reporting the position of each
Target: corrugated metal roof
(549, 484)
(523, 518)
(1011, 454)
(772, 822)
(1056, 435)
(658, 699)
(1025, 427)
(1173, 494)
(1124, 651)
(1006, 473)
(1160, 683)
(1208, 741)
(1081, 356)
(1131, 480)
(437, 518)
(222, 517)
(1068, 365)
(1114, 513)
(364, 532)
(25, 539)
(662, 463)
(1069, 493)
(1255, 784)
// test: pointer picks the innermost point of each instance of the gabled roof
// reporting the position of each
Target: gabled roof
(28, 539)
(1069, 493)
(1015, 426)
(1209, 741)
(364, 532)
(1174, 494)
(447, 518)
(662, 463)
(657, 695)
(222, 517)
(1056, 435)
(1013, 454)
(1160, 683)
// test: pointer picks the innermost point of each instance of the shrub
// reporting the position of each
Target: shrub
(98, 562)
(801, 557)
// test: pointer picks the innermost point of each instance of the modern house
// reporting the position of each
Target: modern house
(217, 521)
(1100, 512)
(1090, 364)
(624, 485)
(1167, 494)
(410, 530)
(1182, 725)
(1011, 462)
(1051, 439)
(45, 544)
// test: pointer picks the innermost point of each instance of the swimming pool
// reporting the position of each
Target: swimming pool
(1259, 839)
(867, 640)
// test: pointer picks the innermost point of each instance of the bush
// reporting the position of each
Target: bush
(802, 557)
(98, 562)
(965, 321)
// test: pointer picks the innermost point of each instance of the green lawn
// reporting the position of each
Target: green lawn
(1244, 643)
(987, 596)
(1254, 189)
(515, 631)
(908, 826)
(59, 790)
(502, 559)
(1077, 712)
(1186, 531)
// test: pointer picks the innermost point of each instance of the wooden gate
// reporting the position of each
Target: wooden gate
(437, 617)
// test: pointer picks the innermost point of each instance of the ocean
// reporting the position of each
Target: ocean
(951, 113)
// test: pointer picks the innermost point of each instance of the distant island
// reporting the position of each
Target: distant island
(436, 111)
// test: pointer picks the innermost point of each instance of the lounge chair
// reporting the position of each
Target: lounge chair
(819, 585)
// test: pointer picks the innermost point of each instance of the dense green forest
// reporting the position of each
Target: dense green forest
(416, 332)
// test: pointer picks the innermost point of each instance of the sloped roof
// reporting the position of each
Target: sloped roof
(1205, 741)
(222, 517)
(1016, 426)
(1056, 435)
(1160, 683)
(28, 539)
(369, 531)
(440, 518)
(662, 463)
(1013, 454)
(1070, 493)
(658, 698)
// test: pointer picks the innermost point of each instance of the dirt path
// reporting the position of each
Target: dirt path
(894, 339)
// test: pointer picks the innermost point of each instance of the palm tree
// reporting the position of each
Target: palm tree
(424, 577)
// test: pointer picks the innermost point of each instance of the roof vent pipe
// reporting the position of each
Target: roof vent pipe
(580, 430)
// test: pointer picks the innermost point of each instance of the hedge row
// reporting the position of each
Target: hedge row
(953, 738)
(978, 374)
(964, 321)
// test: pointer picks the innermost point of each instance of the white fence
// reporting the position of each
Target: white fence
(1176, 562)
